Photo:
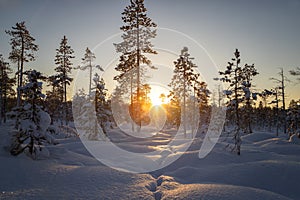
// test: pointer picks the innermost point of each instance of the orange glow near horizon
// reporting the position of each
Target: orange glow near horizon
(156, 96)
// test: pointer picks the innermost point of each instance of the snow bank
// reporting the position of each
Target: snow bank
(217, 192)
(268, 168)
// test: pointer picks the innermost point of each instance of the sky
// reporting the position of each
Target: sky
(265, 31)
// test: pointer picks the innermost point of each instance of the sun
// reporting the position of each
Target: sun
(158, 95)
(155, 100)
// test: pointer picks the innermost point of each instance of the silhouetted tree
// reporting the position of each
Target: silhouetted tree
(234, 76)
(23, 48)
(145, 104)
(63, 57)
(138, 30)
(282, 84)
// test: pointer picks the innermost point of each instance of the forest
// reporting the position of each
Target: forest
(40, 110)
(28, 95)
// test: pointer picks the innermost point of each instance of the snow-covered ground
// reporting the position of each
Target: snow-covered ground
(268, 168)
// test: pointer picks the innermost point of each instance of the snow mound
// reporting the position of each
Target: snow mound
(218, 191)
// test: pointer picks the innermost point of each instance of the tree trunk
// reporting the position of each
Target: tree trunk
(138, 74)
(19, 102)
(237, 134)
(184, 109)
(283, 101)
(90, 86)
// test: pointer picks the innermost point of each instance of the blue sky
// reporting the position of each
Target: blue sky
(266, 32)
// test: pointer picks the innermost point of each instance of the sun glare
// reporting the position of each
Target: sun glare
(155, 100)
(158, 95)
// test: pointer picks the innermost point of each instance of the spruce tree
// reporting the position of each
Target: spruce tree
(233, 76)
(63, 57)
(23, 49)
(32, 121)
(239, 91)
(138, 30)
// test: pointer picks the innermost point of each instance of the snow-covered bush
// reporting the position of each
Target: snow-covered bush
(85, 118)
(31, 121)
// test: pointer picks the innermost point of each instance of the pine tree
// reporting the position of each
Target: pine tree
(233, 76)
(6, 87)
(184, 82)
(63, 57)
(239, 92)
(32, 121)
(87, 63)
(23, 48)
(138, 30)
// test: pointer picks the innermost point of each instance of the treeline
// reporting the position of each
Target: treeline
(189, 104)
(22, 96)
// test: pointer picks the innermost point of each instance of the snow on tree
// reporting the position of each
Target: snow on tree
(63, 57)
(248, 72)
(33, 121)
(138, 30)
(22, 50)
(239, 80)
(185, 83)
(87, 63)
(6, 87)
(102, 106)
(85, 117)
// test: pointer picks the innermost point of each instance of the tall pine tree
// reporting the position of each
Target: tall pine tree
(138, 30)
(63, 57)
(23, 48)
